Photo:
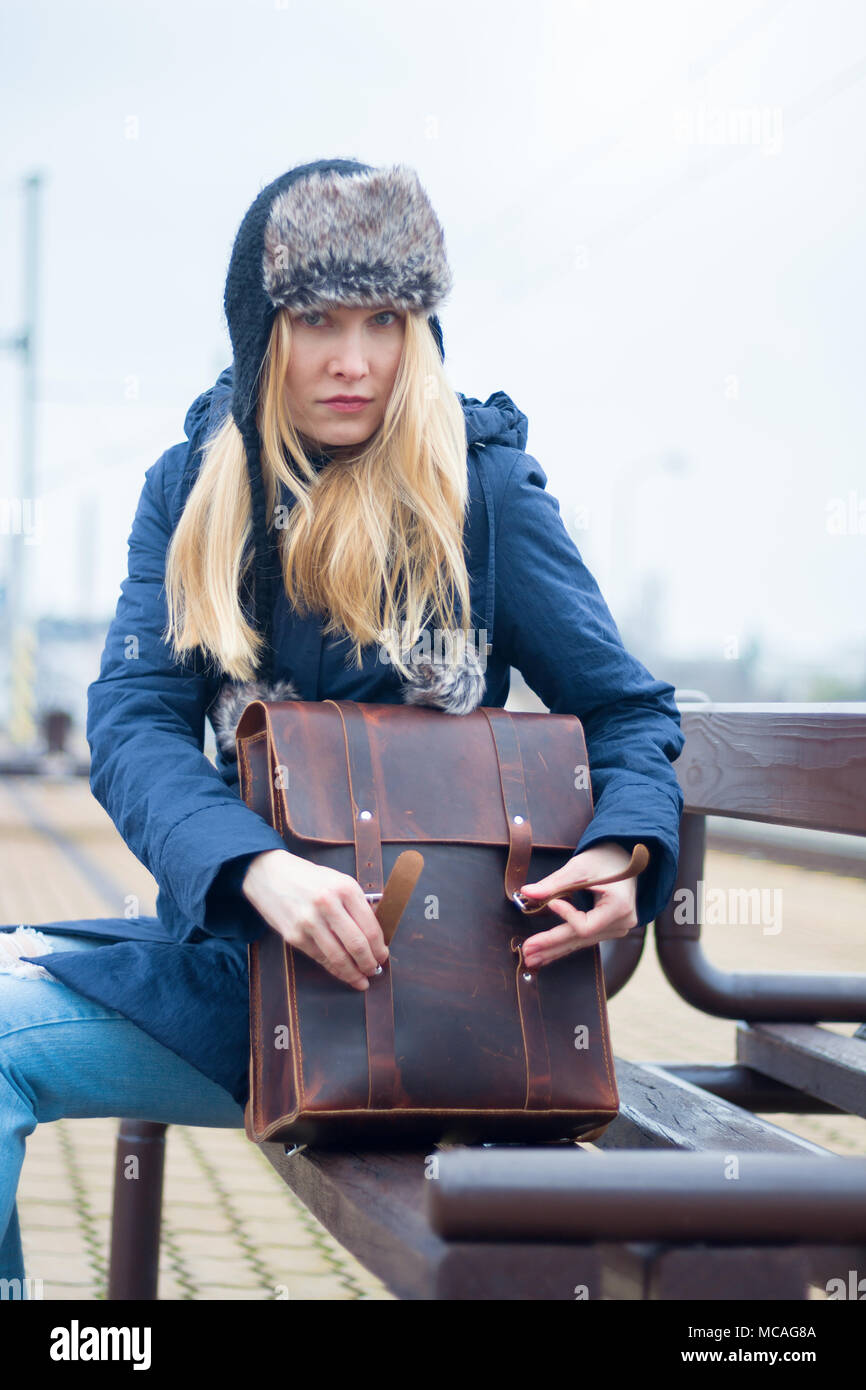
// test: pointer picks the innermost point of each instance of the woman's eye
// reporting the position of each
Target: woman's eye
(316, 314)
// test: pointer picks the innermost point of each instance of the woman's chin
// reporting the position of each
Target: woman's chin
(342, 439)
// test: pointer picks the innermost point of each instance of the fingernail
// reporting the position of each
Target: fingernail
(365, 984)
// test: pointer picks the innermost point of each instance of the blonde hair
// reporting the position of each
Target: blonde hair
(373, 540)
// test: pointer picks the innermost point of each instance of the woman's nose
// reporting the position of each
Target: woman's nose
(350, 357)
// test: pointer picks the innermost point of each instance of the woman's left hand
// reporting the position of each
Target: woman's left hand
(613, 914)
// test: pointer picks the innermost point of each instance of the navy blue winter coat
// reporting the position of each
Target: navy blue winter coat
(182, 975)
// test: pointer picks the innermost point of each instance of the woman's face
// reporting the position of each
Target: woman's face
(338, 351)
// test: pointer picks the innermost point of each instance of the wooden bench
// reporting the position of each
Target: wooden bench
(783, 764)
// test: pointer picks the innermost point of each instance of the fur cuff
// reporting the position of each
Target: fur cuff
(456, 689)
(232, 700)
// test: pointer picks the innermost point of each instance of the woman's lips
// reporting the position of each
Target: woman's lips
(348, 407)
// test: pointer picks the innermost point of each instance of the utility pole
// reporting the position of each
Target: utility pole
(23, 513)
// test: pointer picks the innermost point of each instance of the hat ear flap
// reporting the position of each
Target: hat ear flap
(436, 330)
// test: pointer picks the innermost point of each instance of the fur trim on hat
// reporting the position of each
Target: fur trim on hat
(455, 689)
(362, 239)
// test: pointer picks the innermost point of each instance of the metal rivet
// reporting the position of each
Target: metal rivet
(526, 975)
(378, 970)
(365, 815)
(518, 820)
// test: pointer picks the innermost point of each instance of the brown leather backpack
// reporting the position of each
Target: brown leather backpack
(455, 1040)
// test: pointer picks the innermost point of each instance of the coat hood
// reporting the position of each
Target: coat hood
(497, 421)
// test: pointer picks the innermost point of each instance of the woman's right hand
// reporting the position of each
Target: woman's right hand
(320, 911)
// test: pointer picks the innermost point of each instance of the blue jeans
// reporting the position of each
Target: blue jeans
(62, 1055)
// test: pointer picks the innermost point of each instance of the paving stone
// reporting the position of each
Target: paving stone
(61, 1242)
(72, 1268)
(206, 1273)
(48, 1174)
(198, 1191)
(229, 1292)
(315, 1287)
(39, 1215)
(93, 1172)
(204, 1202)
(35, 1194)
(99, 1206)
(57, 1290)
(207, 1243)
(187, 1225)
(298, 1260)
(279, 1233)
(169, 1290)
(264, 1206)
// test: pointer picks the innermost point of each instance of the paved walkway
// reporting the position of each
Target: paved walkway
(231, 1228)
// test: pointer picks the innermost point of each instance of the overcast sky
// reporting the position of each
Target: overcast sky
(655, 215)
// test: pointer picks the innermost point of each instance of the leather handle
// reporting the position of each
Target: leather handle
(640, 857)
(398, 890)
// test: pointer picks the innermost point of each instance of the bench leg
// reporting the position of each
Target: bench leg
(137, 1210)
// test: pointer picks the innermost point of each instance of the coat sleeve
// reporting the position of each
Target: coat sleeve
(553, 625)
(145, 727)
(226, 907)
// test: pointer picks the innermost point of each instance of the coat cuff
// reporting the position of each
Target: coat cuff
(198, 848)
(227, 911)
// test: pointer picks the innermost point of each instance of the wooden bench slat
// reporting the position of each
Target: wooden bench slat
(661, 1111)
(782, 764)
(754, 1274)
(816, 1060)
(372, 1202)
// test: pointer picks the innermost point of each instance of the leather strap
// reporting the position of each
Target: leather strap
(398, 890)
(639, 859)
(513, 796)
(378, 997)
(539, 1083)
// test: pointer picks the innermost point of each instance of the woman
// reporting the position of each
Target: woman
(286, 550)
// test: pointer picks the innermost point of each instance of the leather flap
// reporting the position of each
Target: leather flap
(437, 773)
